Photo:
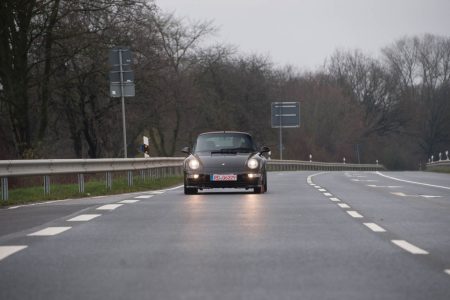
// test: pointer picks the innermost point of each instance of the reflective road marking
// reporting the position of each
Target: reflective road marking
(409, 247)
(6, 251)
(49, 231)
(128, 201)
(374, 227)
(109, 206)
(354, 214)
(144, 197)
(343, 205)
(335, 199)
(84, 218)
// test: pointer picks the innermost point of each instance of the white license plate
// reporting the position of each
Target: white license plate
(227, 177)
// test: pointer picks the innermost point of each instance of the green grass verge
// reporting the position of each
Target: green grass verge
(439, 170)
(92, 188)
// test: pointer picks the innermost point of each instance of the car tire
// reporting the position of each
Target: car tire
(190, 191)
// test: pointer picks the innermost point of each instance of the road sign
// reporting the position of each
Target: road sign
(285, 114)
(115, 90)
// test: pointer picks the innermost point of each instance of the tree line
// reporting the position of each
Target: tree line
(55, 103)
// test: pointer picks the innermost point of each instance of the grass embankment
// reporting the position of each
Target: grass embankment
(439, 170)
(25, 195)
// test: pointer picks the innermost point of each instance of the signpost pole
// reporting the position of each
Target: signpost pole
(123, 107)
(280, 113)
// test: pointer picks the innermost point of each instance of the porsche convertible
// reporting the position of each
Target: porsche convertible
(225, 159)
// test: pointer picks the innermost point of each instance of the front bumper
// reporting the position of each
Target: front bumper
(203, 181)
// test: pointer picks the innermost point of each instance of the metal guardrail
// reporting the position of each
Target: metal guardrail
(154, 167)
(439, 165)
(298, 165)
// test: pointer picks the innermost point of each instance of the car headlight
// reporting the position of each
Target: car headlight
(193, 164)
(252, 163)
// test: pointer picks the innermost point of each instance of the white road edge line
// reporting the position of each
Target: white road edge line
(354, 214)
(409, 247)
(374, 227)
(143, 196)
(413, 182)
(49, 231)
(109, 207)
(6, 251)
(84, 218)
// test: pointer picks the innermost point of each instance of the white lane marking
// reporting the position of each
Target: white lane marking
(6, 251)
(84, 218)
(109, 206)
(335, 199)
(399, 194)
(327, 194)
(415, 196)
(49, 231)
(354, 214)
(409, 247)
(98, 197)
(144, 197)
(447, 271)
(128, 201)
(318, 187)
(322, 190)
(343, 205)
(374, 227)
(413, 182)
(384, 186)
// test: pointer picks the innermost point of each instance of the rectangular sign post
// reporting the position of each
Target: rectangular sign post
(285, 115)
(121, 82)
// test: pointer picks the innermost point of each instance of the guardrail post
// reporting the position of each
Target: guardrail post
(108, 181)
(46, 185)
(130, 178)
(4, 188)
(81, 183)
(143, 175)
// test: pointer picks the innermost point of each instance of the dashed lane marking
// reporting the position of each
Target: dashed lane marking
(409, 247)
(385, 186)
(327, 194)
(84, 218)
(318, 187)
(322, 190)
(354, 214)
(343, 205)
(6, 251)
(144, 196)
(447, 271)
(49, 231)
(335, 199)
(374, 227)
(128, 201)
(400, 194)
(109, 207)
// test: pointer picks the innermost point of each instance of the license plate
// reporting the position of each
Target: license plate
(228, 177)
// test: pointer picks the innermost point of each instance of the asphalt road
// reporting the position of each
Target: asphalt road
(336, 235)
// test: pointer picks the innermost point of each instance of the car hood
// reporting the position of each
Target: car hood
(224, 162)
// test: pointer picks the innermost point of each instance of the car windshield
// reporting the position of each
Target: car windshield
(224, 143)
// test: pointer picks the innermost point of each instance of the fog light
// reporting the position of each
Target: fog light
(251, 175)
(193, 176)
(196, 176)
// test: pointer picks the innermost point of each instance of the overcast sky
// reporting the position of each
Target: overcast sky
(304, 33)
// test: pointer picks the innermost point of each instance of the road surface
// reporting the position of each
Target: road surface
(313, 235)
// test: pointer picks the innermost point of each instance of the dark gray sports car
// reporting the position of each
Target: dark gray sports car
(225, 159)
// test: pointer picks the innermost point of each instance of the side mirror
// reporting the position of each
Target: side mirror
(186, 150)
(264, 150)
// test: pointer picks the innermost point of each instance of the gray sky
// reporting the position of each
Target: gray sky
(304, 33)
